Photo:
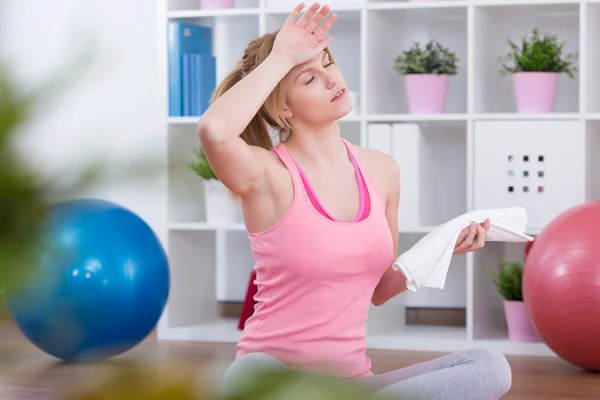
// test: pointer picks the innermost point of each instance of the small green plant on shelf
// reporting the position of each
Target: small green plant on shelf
(433, 58)
(201, 165)
(538, 52)
(509, 280)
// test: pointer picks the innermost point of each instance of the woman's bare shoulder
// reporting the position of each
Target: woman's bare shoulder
(377, 161)
(382, 168)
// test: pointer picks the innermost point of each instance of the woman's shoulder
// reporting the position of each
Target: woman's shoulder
(382, 168)
(378, 162)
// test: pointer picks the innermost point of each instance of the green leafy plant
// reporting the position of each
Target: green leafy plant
(509, 280)
(28, 193)
(136, 381)
(538, 53)
(201, 166)
(433, 58)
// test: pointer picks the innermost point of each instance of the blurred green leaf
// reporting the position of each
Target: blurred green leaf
(28, 194)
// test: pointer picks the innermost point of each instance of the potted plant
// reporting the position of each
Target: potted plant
(219, 205)
(509, 281)
(535, 66)
(426, 74)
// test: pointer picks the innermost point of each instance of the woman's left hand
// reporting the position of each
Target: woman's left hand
(472, 238)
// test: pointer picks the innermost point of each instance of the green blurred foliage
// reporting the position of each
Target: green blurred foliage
(136, 382)
(26, 197)
(26, 193)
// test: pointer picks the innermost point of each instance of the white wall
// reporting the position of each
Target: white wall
(113, 109)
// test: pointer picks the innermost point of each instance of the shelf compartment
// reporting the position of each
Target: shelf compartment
(286, 6)
(454, 294)
(386, 89)
(529, 163)
(432, 160)
(231, 34)
(174, 6)
(234, 267)
(493, 25)
(186, 189)
(592, 57)
(592, 160)
(489, 322)
(192, 259)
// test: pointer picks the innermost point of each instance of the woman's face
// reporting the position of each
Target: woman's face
(316, 92)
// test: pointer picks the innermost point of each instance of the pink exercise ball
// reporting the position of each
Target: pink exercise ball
(561, 285)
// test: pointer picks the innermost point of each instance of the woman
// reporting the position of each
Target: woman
(321, 216)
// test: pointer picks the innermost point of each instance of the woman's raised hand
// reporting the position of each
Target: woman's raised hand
(299, 41)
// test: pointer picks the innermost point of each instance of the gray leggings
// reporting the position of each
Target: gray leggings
(477, 374)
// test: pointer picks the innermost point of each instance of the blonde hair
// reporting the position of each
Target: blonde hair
(269, 114)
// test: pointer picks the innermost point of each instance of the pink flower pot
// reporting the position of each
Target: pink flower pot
(520, 328)
(535, 92)
(214, 4)
(426, 93)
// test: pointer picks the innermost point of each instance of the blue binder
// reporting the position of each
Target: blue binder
(184, 40)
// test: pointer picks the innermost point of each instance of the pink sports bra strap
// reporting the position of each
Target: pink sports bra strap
(364, 200)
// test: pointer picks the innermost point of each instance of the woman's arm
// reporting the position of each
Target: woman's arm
(239, 166)
(236, 164)
(392, 282)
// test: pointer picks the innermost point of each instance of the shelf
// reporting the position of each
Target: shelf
(436, 117)
(218, 13)
(432, 160)
(411, 338)
(386, 93)
(526, 116)
(522, 163)
(494, 24)
(450, 163)
(415, 117)
(205, 226)
(221, 331)
(407, 5)
(174, 7)
(593, 161)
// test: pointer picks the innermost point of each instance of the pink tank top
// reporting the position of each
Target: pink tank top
(364, 201)
(315, 277)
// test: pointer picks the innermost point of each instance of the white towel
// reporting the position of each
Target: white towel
(426, 263)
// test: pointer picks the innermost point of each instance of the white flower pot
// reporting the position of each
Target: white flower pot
(219, 206)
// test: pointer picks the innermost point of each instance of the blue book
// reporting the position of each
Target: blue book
(194, 96)
(205, 69)
(187, 84)
(184, 39)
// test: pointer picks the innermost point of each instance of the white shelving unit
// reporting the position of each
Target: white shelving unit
(212, 263)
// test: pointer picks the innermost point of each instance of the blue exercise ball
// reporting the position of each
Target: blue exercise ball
(101, 283)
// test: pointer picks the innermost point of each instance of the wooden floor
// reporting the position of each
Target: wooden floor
(27, 373)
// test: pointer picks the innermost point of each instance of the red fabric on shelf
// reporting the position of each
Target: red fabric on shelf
(248, 306)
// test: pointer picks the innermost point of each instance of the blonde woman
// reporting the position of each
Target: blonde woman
(321, 216)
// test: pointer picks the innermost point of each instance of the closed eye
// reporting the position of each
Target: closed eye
(313, 78)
